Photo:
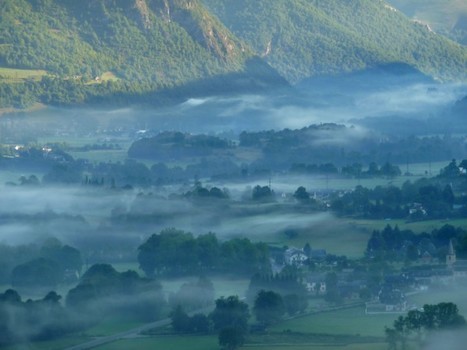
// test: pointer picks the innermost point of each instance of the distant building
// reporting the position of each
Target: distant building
(316, 285)
(451, 255)
(458, 268)
(295, 256)
(390, 300)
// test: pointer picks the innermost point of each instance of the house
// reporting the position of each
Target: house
(316, 285)
(295, 256)
(316, 288)
(389, 295)
(426, 258)
(417, 209)
(372, 308)
(350, 290)
(390, 300)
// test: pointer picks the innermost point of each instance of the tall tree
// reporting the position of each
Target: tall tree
(230, 338)
(269, 307)
(442, 316)
(230, 312)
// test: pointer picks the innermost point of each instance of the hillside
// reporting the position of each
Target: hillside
(304, 38)
(446, 17)
(139, 46)
(68, 52)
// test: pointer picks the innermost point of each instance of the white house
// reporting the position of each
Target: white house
(295, 256)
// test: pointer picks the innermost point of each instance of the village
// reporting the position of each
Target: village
(339, 280)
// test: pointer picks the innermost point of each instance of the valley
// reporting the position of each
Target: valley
(233, 174)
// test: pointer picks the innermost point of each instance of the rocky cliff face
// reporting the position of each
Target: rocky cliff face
(201, 25)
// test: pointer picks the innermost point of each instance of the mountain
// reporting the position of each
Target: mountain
(447, 17)
(377, 78)
(150, 51)
(306, 38)
(138, 45)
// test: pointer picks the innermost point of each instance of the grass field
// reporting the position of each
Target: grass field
(106, 76)
(58, 344)
(109, 76)
(371, 346)
(343, 327)
(10, 75)
(418, 226)
(165, 342)
(111, 326)
(337, 236)
(341, 236)
(210, 343)
(341, 322)
(80, 141)
(96, 156)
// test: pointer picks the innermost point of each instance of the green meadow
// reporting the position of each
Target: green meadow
(11, 75)
(352, 321)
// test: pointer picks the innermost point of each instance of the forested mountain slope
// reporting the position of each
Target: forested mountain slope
(63, 52)
(141, 45)
(304, 38)
(448, 17)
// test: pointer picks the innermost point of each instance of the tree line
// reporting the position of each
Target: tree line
(419, 323)
(393, 244)
(174, 252)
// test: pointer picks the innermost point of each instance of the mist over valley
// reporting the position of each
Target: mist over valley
(227, 174)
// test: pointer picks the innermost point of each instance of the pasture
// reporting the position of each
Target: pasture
(58, 344)
(348, 329)
(352, 321)
(176, 342)
(106, 76)
(358, 346)
(210, 343)
(11, 75)
(415, 226)
(111, 326)
(337, 236)
(92, 155)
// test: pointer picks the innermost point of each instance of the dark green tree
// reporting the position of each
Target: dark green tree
(442, 316)
(262, 194)
(230, 312)
(451, 170)
(231, 338)
(39, 272)
(269, 307)
(302, 195)
(180, 320)
(332, 292)
(200, 323)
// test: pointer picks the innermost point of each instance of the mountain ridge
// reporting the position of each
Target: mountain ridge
(127, 50)
(334, 37)
(143, 45)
